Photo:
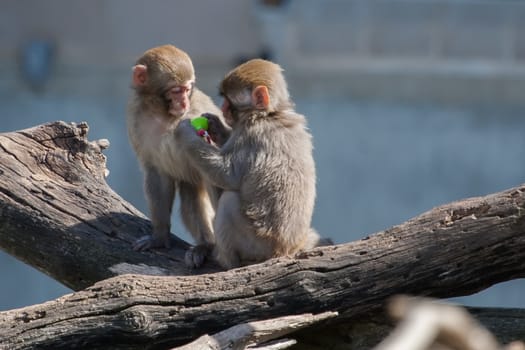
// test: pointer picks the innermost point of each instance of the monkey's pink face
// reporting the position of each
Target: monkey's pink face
(178, 97)
(227, 112)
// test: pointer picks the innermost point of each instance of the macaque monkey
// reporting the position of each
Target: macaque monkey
(265, 169)
(164, 94)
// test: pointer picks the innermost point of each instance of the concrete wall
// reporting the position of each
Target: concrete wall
(427, 30)
(445, 51)
(101, 32)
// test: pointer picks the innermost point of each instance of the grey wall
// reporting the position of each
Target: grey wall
(116, 31)
(412, 104)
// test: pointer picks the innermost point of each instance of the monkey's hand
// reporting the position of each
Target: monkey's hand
(195, 256)
(218, 131)
(149, 242)
(207, 158)
(186, 135)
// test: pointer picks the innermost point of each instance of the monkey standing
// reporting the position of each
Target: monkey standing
(164, 94)
(266, 169)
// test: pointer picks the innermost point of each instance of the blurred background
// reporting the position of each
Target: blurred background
(412, 103)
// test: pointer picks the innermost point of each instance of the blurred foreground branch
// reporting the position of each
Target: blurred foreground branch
(428, 324)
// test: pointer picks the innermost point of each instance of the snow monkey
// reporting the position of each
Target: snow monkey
(164, 94)
(265, 169)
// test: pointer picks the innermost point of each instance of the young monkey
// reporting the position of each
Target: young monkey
(266, 169)
(164, 94)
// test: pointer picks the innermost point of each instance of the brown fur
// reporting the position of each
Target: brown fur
(266, 170)
(165, 164)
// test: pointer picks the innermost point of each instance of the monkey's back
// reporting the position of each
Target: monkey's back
(278, 189)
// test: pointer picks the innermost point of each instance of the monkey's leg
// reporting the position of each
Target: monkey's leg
(237, 243)
(214, 193)
(197, 214)
(224, 227)
(160, 193)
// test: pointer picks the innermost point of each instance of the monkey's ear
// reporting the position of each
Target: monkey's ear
(140, 75)
(261, 97)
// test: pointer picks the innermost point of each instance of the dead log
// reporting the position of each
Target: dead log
(58, 214)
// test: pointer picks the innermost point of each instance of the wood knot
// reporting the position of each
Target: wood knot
(461, 213)
(309, 254)
(28, 317)
(134, 320)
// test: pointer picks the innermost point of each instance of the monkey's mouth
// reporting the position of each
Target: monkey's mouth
(174, 108)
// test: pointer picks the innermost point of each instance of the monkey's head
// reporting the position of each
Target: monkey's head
(257, 85)
(168, 72)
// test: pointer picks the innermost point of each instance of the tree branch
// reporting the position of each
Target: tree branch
(58, 214)
(256, 333)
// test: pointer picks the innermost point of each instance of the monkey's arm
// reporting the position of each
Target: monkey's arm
(217, 168)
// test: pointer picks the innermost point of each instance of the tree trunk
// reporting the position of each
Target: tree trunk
(58, 214)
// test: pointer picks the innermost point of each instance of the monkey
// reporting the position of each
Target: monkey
(164, 93)
(265, 169)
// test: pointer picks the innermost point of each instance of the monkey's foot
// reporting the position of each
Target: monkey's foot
(148, 242)
(196, 256)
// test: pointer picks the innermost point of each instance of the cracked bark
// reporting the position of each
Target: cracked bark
(58, 214)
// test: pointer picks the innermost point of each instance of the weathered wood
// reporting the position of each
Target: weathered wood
(256, 334)
(363, 332)
(58, 214)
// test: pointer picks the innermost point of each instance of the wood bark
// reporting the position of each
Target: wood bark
(58, 214)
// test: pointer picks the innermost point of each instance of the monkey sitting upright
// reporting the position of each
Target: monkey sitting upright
(164, 94)
(266, 169)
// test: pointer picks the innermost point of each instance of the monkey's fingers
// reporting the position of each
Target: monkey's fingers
(148, 242)
(217, 131)
(196, 256)
(143, 243)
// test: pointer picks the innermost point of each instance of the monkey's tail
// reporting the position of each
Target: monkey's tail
(306, 241)
(314, 240)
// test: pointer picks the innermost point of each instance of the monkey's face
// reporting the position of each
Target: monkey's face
(167, 72)
(228, 112)
(177, 98)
